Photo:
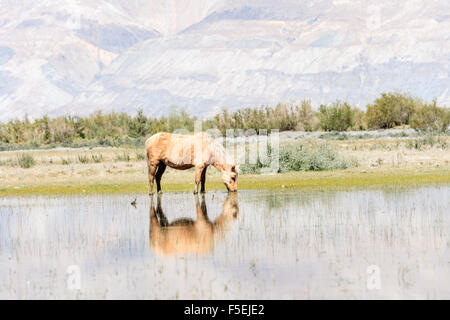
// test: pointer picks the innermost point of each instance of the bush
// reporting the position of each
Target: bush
(25, 161)
(337, 117)
(430, 117)
(313, 157)
(307, 119)
(310, 156)
(390, 110)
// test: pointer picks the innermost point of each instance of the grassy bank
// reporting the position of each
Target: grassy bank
(364, 162)
(182, 182)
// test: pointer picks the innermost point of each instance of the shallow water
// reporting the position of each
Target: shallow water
(260, 245)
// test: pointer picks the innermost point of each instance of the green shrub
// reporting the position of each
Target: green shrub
(313, 156)
(390, 110)
(306, 117)
(430, 117)
(309, 156)
(25, 160)
(340, 116)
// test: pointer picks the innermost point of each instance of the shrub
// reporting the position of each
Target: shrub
(309, 156)
(313, 157)
(337, 117)
(430, 117)
(307, 119)
(390, 110)
(25, 160)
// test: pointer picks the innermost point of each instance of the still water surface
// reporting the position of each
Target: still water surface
(253, 245)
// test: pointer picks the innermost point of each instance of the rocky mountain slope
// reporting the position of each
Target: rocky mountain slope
(67, 56)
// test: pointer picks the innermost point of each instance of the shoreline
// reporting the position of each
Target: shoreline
(322, 180)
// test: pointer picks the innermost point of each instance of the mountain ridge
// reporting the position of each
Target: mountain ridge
(57, 57)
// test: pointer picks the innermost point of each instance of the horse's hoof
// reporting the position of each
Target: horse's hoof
(150, 193)
(195, 192)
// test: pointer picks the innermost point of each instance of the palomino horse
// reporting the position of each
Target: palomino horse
(182, 152)
(186, 236)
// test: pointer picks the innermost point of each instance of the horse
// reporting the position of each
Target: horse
(182, 152)
(186, 236)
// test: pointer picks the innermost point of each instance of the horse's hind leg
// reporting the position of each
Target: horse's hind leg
(202, 180)
(151, 175)
(159, 173)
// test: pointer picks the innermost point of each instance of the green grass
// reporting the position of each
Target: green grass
(325, 180)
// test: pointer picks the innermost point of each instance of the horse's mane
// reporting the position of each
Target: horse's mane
(218, 151)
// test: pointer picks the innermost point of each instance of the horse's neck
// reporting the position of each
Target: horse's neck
(219, 166)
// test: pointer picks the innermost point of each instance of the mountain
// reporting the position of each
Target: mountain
(74, 57)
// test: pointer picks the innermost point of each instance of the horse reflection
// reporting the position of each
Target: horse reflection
(186, 236)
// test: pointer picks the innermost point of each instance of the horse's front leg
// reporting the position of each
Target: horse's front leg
(198, 177)
(203, 179)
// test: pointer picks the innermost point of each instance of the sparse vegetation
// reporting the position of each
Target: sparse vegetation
(122, 129)
(140, 156)
(123, 157)
(83, 158)
(25, 160)
(97, 158)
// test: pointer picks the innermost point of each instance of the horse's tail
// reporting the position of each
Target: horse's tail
(147, 155)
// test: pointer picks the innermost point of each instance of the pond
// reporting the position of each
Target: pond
(363, 244)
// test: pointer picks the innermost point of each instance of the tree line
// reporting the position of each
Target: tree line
(387, 111)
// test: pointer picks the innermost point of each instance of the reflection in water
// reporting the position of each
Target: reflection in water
(282, 245)
(188, 236)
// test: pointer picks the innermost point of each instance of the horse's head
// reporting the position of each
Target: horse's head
(230, 206)
(229, 177)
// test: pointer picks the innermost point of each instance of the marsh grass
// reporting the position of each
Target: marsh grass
(428, 141)
(66, 161)
(83, 158)
(8, 162)
(140, 156)
(97, 158)
(125, 156)
(26, 160)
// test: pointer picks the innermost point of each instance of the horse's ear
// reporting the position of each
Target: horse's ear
(236, 169)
